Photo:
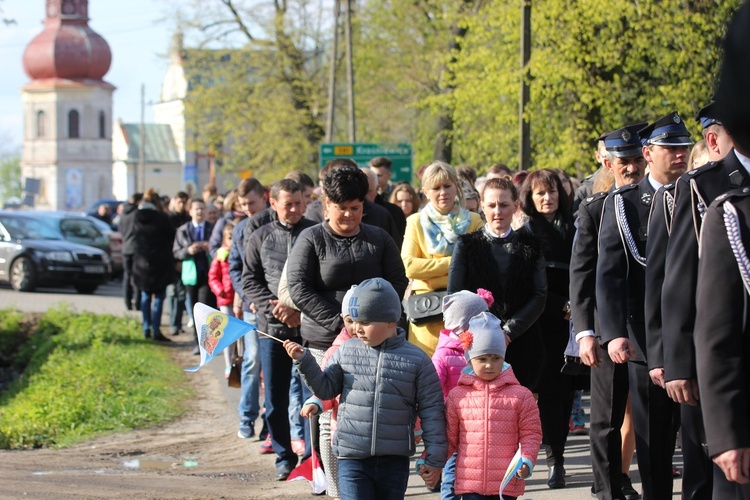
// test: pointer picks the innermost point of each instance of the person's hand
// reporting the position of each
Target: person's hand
(735, 464)
(429, 475)
(657, 377)
(589, 351)
(683, 391)
(523, 472)
(196, 247)
(237, 312)
(620, 350)
(309, 410)
(293, 349)
(253, 309)
(285, 314)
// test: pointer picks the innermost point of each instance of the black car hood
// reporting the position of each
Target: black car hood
(57, 245)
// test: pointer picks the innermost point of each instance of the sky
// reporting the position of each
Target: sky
(138, 37)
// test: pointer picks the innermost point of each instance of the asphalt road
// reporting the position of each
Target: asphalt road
(107, 300)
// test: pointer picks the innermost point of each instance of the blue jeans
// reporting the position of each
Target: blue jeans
(447, 491)
(277, 374)
(373, 478)
(296, 398)
(152, 317)
(249, 407)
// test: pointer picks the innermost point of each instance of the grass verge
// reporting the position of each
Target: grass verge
(85, 374)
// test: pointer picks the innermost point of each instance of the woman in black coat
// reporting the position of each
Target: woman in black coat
(545, 203)
(509, 264)
(153, 263)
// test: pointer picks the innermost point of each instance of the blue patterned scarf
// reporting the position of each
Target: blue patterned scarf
(442, 231)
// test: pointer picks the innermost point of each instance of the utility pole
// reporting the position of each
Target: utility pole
(332, 74)
(142, 146)
(350, 71)
(524, 140)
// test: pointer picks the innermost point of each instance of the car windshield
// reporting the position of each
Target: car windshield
(22, 228)
(79, 228)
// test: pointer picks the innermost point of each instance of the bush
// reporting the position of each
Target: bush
(88, 374)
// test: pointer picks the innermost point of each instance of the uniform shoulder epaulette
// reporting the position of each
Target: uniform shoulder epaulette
(669, 186)
(594, 197)
(735, 193)
(625, 188)
(702, 169)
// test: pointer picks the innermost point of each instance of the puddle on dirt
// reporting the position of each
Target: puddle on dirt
(142, 463)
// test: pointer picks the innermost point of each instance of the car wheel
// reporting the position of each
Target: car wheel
(86, 289)
(23, 275)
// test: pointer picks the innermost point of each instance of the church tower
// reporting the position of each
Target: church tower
(67, 109)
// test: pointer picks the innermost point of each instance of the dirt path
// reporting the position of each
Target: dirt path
(197, 456)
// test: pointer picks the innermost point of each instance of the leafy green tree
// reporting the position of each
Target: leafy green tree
(258, 105)
(10, 176)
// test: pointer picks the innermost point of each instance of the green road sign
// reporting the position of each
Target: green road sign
(399, 153)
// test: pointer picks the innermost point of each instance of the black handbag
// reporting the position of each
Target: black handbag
(425, 307)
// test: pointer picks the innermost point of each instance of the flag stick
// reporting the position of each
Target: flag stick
(270, 336)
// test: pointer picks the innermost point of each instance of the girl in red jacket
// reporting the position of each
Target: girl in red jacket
(221, 285)
(488, 415)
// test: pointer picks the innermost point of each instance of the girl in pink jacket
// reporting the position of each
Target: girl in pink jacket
(488, 414)
(221, 285)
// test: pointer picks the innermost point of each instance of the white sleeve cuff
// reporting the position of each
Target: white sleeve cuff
(585, 333)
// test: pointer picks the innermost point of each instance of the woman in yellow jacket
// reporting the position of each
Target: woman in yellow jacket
(429, 239)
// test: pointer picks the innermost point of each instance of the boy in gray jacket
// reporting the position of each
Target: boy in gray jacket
(385, 383)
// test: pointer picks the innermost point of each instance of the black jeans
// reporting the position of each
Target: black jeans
(130, 291)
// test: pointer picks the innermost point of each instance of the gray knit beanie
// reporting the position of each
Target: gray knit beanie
(487, 336)
(374, 300)
(460, 307)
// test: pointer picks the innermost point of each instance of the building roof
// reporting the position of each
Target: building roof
(160, 143)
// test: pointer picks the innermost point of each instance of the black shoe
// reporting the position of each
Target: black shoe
(197, 350)
(161, 338)
(283, 471)
(147, 334)
(556, 478)
(627, 489)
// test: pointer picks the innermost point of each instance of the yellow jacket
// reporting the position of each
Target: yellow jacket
(429, 272)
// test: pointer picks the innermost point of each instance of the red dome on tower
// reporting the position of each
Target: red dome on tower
(67, 48)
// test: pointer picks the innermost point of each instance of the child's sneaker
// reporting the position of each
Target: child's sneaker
(577, 428)
(266, 446)
(298, 446)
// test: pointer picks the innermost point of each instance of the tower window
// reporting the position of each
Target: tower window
(102, 126)
(40, 130)
(73, 124)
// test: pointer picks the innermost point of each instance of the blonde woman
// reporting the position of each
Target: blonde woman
(428, 244)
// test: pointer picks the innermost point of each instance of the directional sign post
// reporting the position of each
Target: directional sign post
(400, 154)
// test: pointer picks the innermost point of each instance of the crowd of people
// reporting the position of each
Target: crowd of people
(469, 312)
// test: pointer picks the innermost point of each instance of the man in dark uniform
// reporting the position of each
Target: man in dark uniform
(694, 192)
(620, 289)
(722, 344)
(609, 381)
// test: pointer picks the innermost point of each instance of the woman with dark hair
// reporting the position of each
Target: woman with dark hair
(326, 260)
(153, 263)
(546, 204)
(509, 264)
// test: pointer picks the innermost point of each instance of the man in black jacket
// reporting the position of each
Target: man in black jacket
(129, 290)
(623, 157)
(191, 248)
(265, 256)
(694, 192)
(620, 291)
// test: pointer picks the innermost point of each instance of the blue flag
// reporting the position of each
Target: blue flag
(216, 332)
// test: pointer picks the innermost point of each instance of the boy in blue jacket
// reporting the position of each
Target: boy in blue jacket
(385, 383)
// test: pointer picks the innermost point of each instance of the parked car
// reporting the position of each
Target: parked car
(115, 243)
(33, 253)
